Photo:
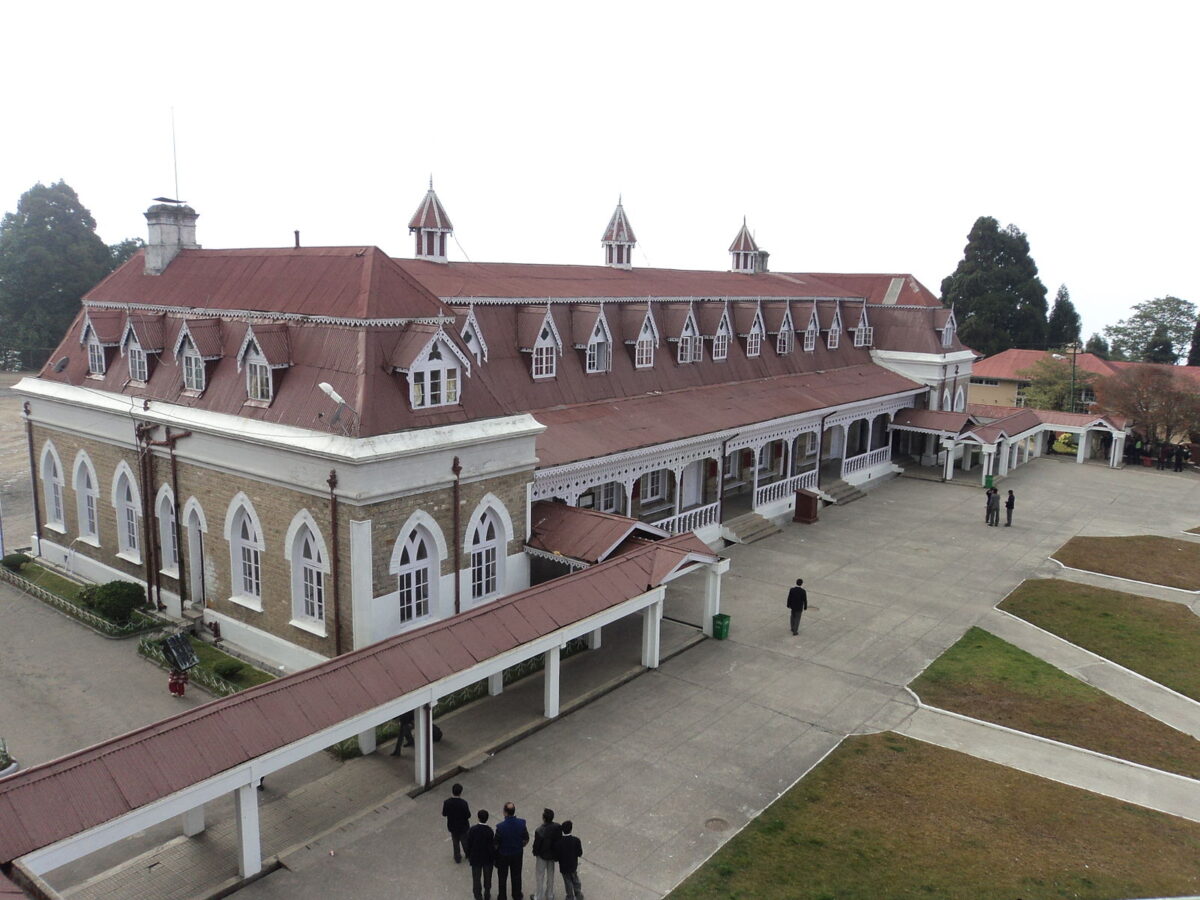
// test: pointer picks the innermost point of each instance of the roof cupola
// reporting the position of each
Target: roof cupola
(747, 257)
(172, 228)
(618, 240)
(432, 226)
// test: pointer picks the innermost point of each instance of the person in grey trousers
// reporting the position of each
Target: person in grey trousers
(993, 507)
(1009, 502)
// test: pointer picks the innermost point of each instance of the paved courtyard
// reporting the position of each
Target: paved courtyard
(661, 771)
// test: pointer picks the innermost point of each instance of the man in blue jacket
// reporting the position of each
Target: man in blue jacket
(511, 838)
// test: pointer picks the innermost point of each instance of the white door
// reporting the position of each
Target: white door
(195, 561)
(692, 483)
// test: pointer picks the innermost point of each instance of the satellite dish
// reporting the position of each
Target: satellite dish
(61, 364)
(167, 200)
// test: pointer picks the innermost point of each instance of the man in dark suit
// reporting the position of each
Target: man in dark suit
(570, 848)
(481, 854)
(797, 602)
(458, 819)
(511, 838)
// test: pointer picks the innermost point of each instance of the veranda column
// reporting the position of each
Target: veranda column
(496, 684)
(550, 685)
(362, 594)
(712, 592)
(593, 639)
(1081, 453)
(245, 801)
(192, 821)
(1118, 451)
(989, 456)
(367, 742)
(423, 744)
(652, 631)
(948, 468)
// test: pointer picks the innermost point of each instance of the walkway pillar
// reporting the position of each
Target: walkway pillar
(593, 639)
(192, 821)
(550, 684)
(948, 468)
(1081, 453)
(652, 631)
(423, 744)
(245, 800)
(496, 684)
(712, 593)
(362, 592)
(367, 742)
(989, 460)
(1118, 451)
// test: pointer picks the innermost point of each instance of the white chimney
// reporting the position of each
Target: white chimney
(172, 228)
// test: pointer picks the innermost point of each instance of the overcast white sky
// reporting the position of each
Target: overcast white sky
(855, 137)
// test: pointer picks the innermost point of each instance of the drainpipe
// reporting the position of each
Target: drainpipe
(33, 471)
(141, 432)
(335, 568)
(456, 468)
(820, 444)
(169, 443)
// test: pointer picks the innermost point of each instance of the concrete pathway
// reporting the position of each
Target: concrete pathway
(660, 772)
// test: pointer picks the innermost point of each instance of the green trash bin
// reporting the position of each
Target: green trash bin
(989, 480)
(720, 626)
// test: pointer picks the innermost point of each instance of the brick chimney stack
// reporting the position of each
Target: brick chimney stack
(172, 228)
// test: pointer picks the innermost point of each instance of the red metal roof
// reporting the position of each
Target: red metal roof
(430, 214)
(272, 340)
(55, 800)
(148, 329)
(744, 242)
(586, 535)
(106, 324)
(619, 230)
(1008, 365)
(942, 421)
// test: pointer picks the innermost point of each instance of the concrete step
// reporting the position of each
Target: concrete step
(748, 528)
(841, 492)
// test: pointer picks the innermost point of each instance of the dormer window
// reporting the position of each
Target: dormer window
(472, 337)
(834, 337)
(598, 351)
(434, 382)
(948, 332)
(96, 362)
(138, 368)
(643, 350)
(258, 376)
(720, 347)
(783, 343)
(754, 340)
(691, 344)
(193, 368)
(864, 336)
(810, 335)
(545, 354)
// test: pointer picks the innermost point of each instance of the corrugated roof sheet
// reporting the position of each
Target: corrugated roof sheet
(1007, 366)
(430, 213)
(744, 242)
(944, 421)
(619, 230)
(148, 330)
(52, 801)
(586, 535)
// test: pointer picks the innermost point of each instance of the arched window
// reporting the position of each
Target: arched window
(754, 339)
(52, 485)
(308, 577)
(643, 349)
(960, 400)
(128, 507)
(87, 494)
(168, 538)
(245, 550)
(720, 347)
(414, 575)
(487, 540)
(946, 399)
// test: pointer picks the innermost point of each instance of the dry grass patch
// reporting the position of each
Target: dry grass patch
(885, 816)
(1155, 560)
(986, 678)
(1156, 638)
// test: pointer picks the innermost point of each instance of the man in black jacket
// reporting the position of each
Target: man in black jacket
(458, 819)
(511, 838)
(797, 602)
(480, 849)
(570, 848)
(545, 854)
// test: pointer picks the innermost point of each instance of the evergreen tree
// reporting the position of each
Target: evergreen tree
(1130, 337)
(1194, 353)
(50, 256)
(998, 300)
(1159, 349)
(1064, 326)
(1097, 346)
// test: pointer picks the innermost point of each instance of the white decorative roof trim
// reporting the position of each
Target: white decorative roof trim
(653, 328)
(89, 327)
(193, 312)
(568, 561)
(537, 301)
(444, 338)
(602, 321)
(473, 324)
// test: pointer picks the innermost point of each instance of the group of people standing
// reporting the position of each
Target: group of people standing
(1168, 453)
(992, 509)
(555, 846)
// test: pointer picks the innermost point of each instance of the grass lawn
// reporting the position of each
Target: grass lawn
(987, 678)
(885, 816)
(55, 584)
(248, 676)
(1156, 638)
(1149, 558)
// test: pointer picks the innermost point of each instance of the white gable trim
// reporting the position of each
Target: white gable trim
(302, 518)
(473, 324)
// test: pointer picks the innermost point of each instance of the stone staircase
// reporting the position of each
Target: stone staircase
(748, 528)
(840, 491)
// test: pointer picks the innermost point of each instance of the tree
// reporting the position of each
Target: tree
(50, 255)
(1156, 399)
(1194, 353)
(1130, 337)
(998, 300)
(1160, 349)
(1064, 326)
(1097, 346)
(1050, 382)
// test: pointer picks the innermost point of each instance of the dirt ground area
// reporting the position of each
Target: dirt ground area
(16, 494)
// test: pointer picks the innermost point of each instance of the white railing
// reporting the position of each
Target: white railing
(866, 460)
(690, 520)
(777, 490)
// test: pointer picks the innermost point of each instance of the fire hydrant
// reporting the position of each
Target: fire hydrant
(177, 683)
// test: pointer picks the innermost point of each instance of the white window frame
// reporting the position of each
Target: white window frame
(810, 339)
(720, 347)
(97, 365)
(435, 379)
(486, 553)
(545, 356)
(309, 568)
(599, 354)
(783, 343)
(960, 400)
(193, 369)
(416, 576)
(654, 486)
(754, 342)
(834, 338)
(87, 500)
(607, 497)
(948, 334)
(139, 366)
(52, 488)
(643, 349)
(128, 509)
(864, 336)
(246, 549)
(260, 385)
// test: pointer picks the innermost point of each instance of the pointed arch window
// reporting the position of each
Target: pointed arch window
(486, 545)
(414, 576)
(128, 513)
(245, 550)
(948, 333)
(168, 537)
(720, 347)
(754, 340)
(87, 494)
(308, 577)
(545, 354)
(810, 337)
(960, 400)
(643, 350)
(52, 484)
(598, 350)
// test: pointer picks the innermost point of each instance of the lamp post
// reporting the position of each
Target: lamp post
(1073, 348)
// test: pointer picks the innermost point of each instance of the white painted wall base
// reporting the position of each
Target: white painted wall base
(263, 645)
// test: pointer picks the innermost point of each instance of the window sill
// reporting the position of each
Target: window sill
(310, 625)
(90, 539)
(60, 527)
(130, 556)
(96, 376)
(170, 572)
(257, 404)
(245, 600)
(192, 392)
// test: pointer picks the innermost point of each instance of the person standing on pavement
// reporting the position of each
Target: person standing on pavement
(480, 847)
(406, 722)
(458, 819)
(511, 838)
(545, 855)
(1179, 453)
(993, 507)
(797, 602)
(1009, 502)
(570, 848)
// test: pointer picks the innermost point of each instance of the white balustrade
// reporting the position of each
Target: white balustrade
(777, 490)
(689, 520)
(866, 460)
